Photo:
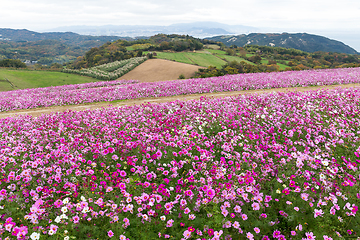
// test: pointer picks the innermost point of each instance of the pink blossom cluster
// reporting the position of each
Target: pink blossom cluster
(34, 98)
(41, 94)
(270, 166)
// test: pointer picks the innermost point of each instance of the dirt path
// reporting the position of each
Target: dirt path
(154, 70)
(139, 101)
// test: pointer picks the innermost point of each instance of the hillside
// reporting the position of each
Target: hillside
(302, 41)
(47, 48)
(70, 38)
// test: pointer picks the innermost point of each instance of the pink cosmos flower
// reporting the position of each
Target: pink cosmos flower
(110, 234)
(236, 224)
(250, 236)
(276, 233)
(310, 235)
(76, 219)
(281, 237)
(187, 234)
(218, 233)
(210, 193)
(327, 238)
(318, 213)
(255, 206)
(237, 209)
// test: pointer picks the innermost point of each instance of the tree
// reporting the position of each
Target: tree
(255, 59)
(12, 63)
(139, 53)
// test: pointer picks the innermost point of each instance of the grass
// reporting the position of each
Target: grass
(216, 51)
(178, 57)
(212, 46)
(198, 58)
(205, 60)
(237, 59)
(23, 79)
(282, 66)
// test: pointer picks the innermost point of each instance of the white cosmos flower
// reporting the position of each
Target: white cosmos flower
(35, 236)
(57, 219)
(64, 209)
(325, 163)
(85, 210)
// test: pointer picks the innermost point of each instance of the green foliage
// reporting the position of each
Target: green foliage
(11, 63)
(181, 76)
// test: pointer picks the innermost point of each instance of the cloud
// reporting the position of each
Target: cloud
(306, 14)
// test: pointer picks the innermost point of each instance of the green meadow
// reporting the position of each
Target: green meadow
(23, 79)
(196, 58)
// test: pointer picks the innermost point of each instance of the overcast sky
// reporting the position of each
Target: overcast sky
(302, 16)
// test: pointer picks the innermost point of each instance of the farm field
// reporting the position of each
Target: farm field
(109, 71)
(34, 98)
(267, 166)
(24, 79)
(155, 70)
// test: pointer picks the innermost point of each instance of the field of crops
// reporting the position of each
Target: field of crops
(42, 97)
(270, 166)
(109, 71)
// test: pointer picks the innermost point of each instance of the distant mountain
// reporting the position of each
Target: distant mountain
(23, 35)
(195, 29)
(47, 48)
(302, 41)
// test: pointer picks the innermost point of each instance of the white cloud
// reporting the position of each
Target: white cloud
(306, 14)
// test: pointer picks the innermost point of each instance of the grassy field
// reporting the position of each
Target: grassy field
(200, 59)
(282, 66)
(207, 57)
(177, 57)
(216, 51)
(22, 79)
(212, 46)
(205, 60)
(234, 58)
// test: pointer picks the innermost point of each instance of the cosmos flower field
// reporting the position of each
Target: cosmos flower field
(269, 166)
(123, 89)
